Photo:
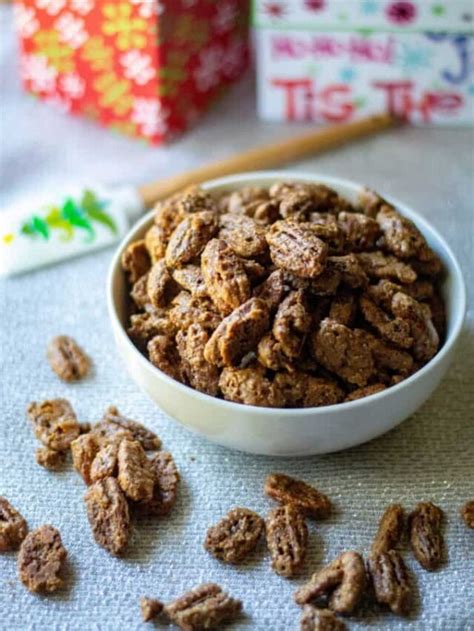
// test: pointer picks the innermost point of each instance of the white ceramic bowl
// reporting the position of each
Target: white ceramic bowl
(290, 432)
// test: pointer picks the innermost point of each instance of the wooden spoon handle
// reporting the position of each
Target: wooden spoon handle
(268, 156)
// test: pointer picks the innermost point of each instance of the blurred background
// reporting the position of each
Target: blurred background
(133, 90)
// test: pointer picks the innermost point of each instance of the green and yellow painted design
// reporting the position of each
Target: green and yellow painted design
(72, 216)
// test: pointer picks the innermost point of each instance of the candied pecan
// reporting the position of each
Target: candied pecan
(167, 216)
(54, 423)
(360, 393)
(50, 458)
(254, 270)
(41, 560)
(370, 202)
(83, 450)
(343, 308)
(113, 421)
(67, 359)
(326, 284)
(400, 235)
(150, 608)
(390, 530)
(418, 315)
(249, 386)
(324, 199)
(160, 286)
(343, 351)
(13, 527)
(395, 330)
(292, 322)
(190, 278)
(390, 581)
(136, 260)
(163, 354)
(378, 265)
(190, 237)
(135, 474)
(235, 535)
(314, 619)
(420, 290)
(104, 464)
(166, 485)
(425, 534)
(466, 512)
(187, 309)
(287, 537)
(155, 242)
(431, 267)
(299, 389)
(271, 355)
(108, 514)
(194, 200)
(227, 282)
(343, 582)
(349, 269)
(204, 607)
(200, 374)
(360, 231)
(243, 235)
(139, 292)
(272, 290)
(296, 249)
(145, 326)
(237, 201)
(238, 334)
(288, 490)
(386, 357)
(328, 231)
(296, 203)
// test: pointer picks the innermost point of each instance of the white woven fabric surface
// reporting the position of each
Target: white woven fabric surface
(430, 456)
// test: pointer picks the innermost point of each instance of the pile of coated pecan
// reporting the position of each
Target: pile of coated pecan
(284, 297)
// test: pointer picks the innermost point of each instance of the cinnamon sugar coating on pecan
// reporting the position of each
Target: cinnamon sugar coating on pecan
(13, 526)
(41, 560)
(390, 581)
(136, 260)
(224, 273)
(237, 334)
(426, 539)
(108, 514)
(135, 474)
(198, 372)
(296, 249)
(243, 235)
(54, 423)
(360, 393)
(190, 237)
(235, 535)
(67, 359)
(292, 322)
(342, 583)
(165, 489)
(467, 513)
(390, 531)
(300, 389)
(249, 386)
(190, 278)
(164, 355)
(160, 285)
(360, 231)
(50, 458)
(287, 538)
(204, 607)
(315, 619)
(288, 490)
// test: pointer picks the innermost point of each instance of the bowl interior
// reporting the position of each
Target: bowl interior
(452, 284)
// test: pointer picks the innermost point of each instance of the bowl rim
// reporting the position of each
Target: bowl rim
(253, 178)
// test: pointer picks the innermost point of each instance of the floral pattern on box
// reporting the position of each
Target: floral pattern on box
(146, 68)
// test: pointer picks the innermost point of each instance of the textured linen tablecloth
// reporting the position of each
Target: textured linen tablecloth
(430, 456)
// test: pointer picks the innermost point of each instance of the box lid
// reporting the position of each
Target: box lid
(366, 15)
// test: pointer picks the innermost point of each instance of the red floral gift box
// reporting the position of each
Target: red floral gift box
(146, 68)
(336, 60)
